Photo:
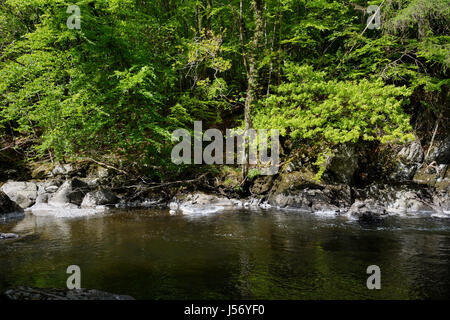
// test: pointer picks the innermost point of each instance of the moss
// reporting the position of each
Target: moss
(295, 180)
(422, 177)
(41, 170)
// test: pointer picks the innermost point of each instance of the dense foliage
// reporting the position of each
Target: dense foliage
(136, 70)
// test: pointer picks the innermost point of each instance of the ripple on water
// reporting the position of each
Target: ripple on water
(270, 254)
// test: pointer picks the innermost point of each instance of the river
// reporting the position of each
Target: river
(264, 254)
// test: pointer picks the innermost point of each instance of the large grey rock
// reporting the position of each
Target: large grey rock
(42, 198)
(101, 197)
(298, 190)
(28, 293)
(49, 186)
(62, 169)
(261, 185)
(412, 153)
(425, 176)
(200, 203)
(71, 191)
(404, 172)
(98, 172)
(312, 199)
(42, 171)
(22, 193)
(442, 200)
(294, 165)
(4, 236)
(7, 205)
(382, 200)
(343, 164)
(409, 160)
(301, 200)
(98, 176)
(8, 208)
(409, 202)
(441, 153)
(45, 190)
(367, 210)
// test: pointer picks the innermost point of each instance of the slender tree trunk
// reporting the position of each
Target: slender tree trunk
(198, 17)
(271, 58)
(208, 15)
(252, 71)
(241, 36)
(279, 42)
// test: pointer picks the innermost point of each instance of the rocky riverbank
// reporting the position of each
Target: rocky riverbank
(418, 184)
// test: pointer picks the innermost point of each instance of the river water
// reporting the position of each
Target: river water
(244, 254)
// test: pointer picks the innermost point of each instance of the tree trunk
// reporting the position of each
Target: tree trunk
(252, 71)
(208, 15)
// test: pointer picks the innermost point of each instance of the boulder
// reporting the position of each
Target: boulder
(409, 202)
(441, 153)
(412, 153)
(8, 208)
(298, 190)
(404, 172)
(442, 200)
(343, 164)
(367, 210)
(443, 182)
(101, 197)
(49, 186)
(7, 205)
(200, 203)
(98, 172)
(62, 169)
(293, 165)
(409, 158)
(42, 170)
(381, 200)
(22, 193)
(329, 198)
(301, 200)
(425, 176)
(41, 198)
(261, 185)
(59, 170)
(98, 176)
(45, 190)
(71, 191)
(4, 236)
(249, 203)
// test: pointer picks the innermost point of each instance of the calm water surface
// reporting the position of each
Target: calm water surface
(231, 255)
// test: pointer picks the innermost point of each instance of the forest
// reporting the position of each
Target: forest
(102, 199)
(115, 88)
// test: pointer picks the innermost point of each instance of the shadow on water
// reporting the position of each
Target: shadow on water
(231, 255)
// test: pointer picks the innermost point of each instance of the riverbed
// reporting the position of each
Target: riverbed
(236, 254)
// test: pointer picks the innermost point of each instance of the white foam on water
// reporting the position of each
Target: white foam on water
(443, 214)
(411, 214)
(326, 213)
(67, 211)
(265, 205)
(200, 210)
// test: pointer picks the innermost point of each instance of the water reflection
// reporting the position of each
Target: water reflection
(231, 255)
